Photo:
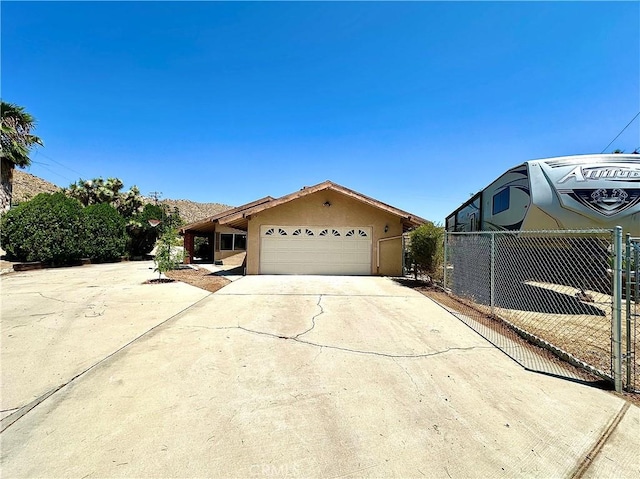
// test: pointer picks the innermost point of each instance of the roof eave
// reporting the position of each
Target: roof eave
(220, 216)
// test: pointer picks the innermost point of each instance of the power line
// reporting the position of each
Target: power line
(39, 153)
(620, 132)
(41, 165)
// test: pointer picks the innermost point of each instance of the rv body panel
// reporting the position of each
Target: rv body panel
(593, 191)
(574, 192)
(505, 202)
(468, 217)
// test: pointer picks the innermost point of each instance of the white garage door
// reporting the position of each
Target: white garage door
(315, 250)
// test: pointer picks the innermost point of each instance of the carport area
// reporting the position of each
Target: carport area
(296, 376)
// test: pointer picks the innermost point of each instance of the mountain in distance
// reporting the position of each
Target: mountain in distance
(26, 186)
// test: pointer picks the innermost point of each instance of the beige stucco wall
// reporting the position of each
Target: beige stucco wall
(220, 255)
(344, 211)
(391, 257)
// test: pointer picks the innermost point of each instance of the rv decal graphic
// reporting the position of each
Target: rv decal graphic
(611, 173)
(606, 201)
(601, 161)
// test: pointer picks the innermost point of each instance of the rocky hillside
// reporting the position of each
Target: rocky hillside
(26, 186)
(191, 211)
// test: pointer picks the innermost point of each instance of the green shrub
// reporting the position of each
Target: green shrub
(106, 233)
(143, 236)
(426, 248)
(49, 228)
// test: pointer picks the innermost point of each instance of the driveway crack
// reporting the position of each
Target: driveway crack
(56, 299)
(359, 351)
(409, 375)
(313, 320)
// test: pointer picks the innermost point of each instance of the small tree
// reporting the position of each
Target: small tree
(426, 249)
(167, 256)
(106, 234)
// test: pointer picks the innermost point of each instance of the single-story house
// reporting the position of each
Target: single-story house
(321, 229)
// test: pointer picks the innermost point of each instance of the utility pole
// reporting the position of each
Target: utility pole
(156, 196)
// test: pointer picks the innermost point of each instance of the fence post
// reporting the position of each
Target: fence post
(628, 295)
(493, 271)
(616, 316)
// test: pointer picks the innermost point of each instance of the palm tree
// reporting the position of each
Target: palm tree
(16, 141)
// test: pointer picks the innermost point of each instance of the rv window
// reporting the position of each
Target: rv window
(501, 201)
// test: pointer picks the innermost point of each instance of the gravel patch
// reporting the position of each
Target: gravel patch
(199, 277)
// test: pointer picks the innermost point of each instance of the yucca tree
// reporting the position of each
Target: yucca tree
(98, 190)
(16, 141)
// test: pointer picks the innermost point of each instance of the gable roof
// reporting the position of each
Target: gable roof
(239, 217)
(208, 224)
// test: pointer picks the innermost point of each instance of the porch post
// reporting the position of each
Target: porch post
(189, 247)
(212, 239)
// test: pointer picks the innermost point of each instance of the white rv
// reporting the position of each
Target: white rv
(570, 192)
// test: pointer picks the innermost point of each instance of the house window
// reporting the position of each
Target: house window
(501, 201)
(226, 242)
(233, 242)
(240, 242)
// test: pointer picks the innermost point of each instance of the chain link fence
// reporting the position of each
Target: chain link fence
(631, 290)
(557, 288)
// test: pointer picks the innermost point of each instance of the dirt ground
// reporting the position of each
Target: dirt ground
(200, 278)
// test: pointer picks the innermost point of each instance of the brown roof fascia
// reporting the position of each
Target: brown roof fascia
(216, 218)
(408, 218)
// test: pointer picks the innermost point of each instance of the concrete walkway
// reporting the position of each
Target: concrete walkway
(305, 377)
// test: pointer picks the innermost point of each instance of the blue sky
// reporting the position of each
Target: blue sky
(417, 104)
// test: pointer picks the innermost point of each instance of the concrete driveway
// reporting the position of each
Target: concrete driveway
(308, 377)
